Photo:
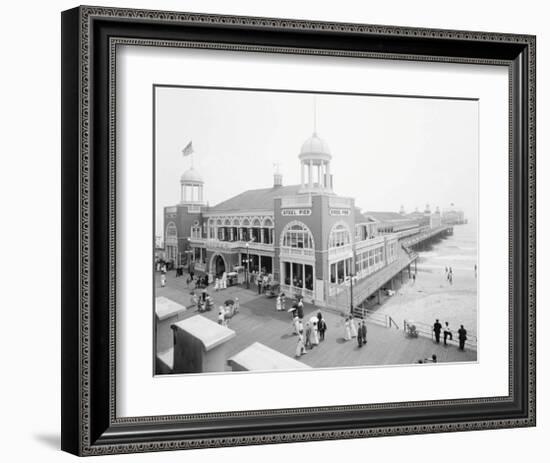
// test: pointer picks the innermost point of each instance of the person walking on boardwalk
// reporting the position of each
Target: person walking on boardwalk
(296, 324)
(462, 337)
(300, 347)
(353, 327)
(308, 335)
(359, 337)
(319, 315)
(259, 283)
(363, 331)
(278, 304)
(347, 329)
(447, 332)
(437, 330)
(322, 327)
(300, 307)
(314, 331)
(162, 280)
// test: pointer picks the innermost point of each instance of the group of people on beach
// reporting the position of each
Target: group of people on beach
(448, 333)
(449, 274)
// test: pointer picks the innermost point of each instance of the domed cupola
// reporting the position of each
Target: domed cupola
(191, 176)
(316, 148)
(315, 160)
(192, 186)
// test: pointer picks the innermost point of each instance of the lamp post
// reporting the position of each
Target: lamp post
(247, 266)
(248, 262)
(351, 277)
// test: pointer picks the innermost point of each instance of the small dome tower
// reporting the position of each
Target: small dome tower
(192, 187)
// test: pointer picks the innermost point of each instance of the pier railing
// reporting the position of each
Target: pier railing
(375, 317)
(426, 330)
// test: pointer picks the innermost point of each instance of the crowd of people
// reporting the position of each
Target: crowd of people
(309, 334)
(263, 280)
(448, 334)
(357, 330)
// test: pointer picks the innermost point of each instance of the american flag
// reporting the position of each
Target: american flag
(188, 150)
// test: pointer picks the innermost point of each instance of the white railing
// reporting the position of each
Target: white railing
(307, 253)
(213, 243)
(335, 201)
(226, 245)
(291, 291)
(255, 246)
(194, 208)
(296, 201)
(340, 252)
(369, 242)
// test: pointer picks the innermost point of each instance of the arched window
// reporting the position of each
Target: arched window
(267, 231)
(211, 229)
(297, 235)
(196, 230)
(256, 223)
(339, 236)
(171, 234)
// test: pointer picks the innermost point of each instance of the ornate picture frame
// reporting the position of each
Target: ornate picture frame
(90, 37)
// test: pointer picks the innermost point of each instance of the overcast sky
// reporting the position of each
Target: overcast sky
(386, 151)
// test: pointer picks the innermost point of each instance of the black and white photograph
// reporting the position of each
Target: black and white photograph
(298, 230)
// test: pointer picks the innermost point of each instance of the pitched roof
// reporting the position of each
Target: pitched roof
(385, 216)
(261, 199)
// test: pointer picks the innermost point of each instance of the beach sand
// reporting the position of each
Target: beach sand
(431, 296)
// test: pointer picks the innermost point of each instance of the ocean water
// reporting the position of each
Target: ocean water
(458, 251)
(431, 296)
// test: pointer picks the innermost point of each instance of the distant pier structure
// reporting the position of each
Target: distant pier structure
(453, 216)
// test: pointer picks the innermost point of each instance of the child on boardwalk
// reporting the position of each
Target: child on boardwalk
(300, 348)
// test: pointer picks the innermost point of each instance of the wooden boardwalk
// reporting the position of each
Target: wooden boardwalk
(258, 320)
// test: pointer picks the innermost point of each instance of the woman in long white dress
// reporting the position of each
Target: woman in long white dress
(296, 324)
(314, 330)
(353, 327)
(347, 329)
(278, 304)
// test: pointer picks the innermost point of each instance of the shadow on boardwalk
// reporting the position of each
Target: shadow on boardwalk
(258, 320)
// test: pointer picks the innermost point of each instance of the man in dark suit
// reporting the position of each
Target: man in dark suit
(461, 337)
(363, 331)
(322, 327)
(437, 330)
(300, 307)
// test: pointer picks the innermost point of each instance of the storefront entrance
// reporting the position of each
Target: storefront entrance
(218, 265)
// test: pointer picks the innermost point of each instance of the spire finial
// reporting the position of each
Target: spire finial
(314, 114)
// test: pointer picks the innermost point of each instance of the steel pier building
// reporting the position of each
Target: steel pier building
(309, 238)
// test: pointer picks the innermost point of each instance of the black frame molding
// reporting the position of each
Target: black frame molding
(90, 36)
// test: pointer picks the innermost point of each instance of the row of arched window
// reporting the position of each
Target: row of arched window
(266, 222)
(295, 235)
